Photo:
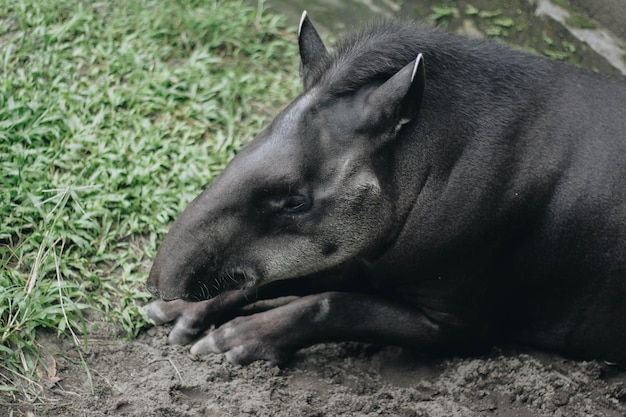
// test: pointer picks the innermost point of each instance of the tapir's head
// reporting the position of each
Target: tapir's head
(307, 194)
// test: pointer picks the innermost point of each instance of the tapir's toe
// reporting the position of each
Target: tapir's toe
(186, 328)
(162, 312)
(182, 335)
(205, 346)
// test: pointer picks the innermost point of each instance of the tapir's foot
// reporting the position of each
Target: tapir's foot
(192, 318)
(162, 312)
(272, 336)
(187, 326)
(252, 338)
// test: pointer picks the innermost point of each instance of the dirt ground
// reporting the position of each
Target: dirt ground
(146, 377)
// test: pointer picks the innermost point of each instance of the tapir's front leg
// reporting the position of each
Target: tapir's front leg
(194, 317)
(276, 334)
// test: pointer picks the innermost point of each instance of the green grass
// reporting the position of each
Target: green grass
(113, 116)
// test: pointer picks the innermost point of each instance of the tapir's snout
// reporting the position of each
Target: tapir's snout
(152, 284)
(167, 278)
(185, 263)
(193, 261)
(183, 271)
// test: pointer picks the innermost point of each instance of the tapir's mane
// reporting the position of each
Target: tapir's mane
(373, 53)
(377, 51)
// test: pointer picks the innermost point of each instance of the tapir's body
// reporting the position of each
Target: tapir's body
(471, 195)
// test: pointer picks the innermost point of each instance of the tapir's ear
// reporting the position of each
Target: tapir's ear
(397, 101)
(312, 49)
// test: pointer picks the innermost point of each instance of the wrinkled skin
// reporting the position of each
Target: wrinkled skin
(424, 190)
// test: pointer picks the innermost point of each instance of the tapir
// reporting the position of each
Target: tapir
(425, 190)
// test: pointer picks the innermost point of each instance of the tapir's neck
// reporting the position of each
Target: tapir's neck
(453, 163)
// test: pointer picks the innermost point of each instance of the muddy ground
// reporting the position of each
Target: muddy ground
(146, 377)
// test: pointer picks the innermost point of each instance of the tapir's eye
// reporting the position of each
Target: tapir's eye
(292, 204)
(296, 204)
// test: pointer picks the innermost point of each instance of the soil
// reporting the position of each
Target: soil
(147, 377)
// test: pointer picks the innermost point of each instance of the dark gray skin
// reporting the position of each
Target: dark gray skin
(424, 190)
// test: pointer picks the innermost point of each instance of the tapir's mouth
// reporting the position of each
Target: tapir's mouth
(198, 281)
(209, 288)
(211, 285)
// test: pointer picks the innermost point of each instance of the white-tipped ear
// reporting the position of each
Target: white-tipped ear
(397, 101)
(304, 16)
(312, 49)
(416, 67)
(416, 91)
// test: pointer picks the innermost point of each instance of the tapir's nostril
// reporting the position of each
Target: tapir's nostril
(152, 289)
(153, 282)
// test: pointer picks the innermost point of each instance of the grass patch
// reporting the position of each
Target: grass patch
(577, 20)
(113, 116)
(441, 15)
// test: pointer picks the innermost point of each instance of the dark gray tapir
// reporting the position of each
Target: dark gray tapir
(424, 190)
